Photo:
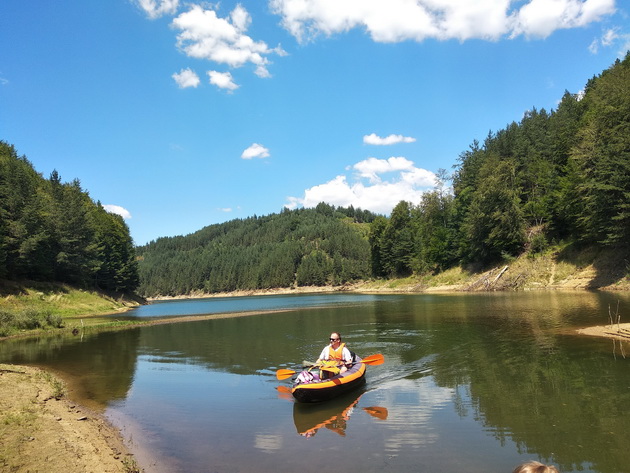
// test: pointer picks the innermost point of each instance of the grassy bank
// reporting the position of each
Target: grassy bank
(561, 267)
(35, 307)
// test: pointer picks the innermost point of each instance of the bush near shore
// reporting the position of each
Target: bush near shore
(29, 306)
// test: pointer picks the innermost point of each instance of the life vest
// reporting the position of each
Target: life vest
(337, 354)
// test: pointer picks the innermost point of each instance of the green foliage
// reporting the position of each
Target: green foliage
(53, 231)
(602, 159)
(27, 319)
(564, 174)
(304, 247)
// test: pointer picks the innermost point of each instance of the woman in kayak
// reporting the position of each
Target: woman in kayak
(335, 355)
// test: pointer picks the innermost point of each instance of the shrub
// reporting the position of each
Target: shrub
(28, 319)
(54, 320)
(7, 322)
(539, 243)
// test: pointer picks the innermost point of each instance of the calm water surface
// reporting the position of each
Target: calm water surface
(475, 383)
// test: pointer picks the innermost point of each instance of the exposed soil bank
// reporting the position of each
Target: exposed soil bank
(40, 433)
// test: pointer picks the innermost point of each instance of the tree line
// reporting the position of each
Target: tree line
(559, 176)
(552, 177)
(53, 231)
(320, 246)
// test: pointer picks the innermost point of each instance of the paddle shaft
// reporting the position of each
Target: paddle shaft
(372, 360)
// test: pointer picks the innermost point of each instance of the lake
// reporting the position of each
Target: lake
(471, 382)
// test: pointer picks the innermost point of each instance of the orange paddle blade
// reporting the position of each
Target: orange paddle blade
(377, 412)
(374, 360)
(284, 374)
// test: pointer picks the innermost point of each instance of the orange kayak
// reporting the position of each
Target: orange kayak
(318, 391)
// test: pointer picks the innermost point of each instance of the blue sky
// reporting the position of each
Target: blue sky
(183, 114)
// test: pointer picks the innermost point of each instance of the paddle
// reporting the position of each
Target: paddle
(284, 374)
(372, 360)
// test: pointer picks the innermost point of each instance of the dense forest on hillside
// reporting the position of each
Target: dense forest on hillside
(320, 246)
(557, 176)
(54, 231)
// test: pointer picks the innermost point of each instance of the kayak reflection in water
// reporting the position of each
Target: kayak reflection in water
(309, 419)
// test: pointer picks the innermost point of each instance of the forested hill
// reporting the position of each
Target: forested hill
(54, 232)
(320, 246)
(554, 179)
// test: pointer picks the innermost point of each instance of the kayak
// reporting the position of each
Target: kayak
(323, 390)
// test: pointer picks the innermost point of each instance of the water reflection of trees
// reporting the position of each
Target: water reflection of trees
(99, 367)
(556, 397)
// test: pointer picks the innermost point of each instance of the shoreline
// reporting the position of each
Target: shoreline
(614, 332)
(42, 429)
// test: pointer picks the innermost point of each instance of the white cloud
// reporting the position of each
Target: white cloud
(610, 38)
(416, 20)
(225, 209)
(372, 167)
(118, 210)
(222, 80)
(406, 182)
(203, 35)
(540, 18)
(186, 78)
(255, 151)
(374, 139)
(157, 8)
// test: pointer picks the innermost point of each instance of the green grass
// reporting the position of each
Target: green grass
(36, 307)
(58, 388)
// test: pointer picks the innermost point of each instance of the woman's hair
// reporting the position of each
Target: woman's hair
(535, 467)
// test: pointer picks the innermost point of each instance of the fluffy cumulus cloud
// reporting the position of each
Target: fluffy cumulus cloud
(157, 8)
(416, 20)
(118, 210)
(204, 35)
(186, 78)
(223, 80)
(376, 185)
(255, 151)
(374, 139)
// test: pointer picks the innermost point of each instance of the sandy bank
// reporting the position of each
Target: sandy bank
(40, 433)
(616, 331)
